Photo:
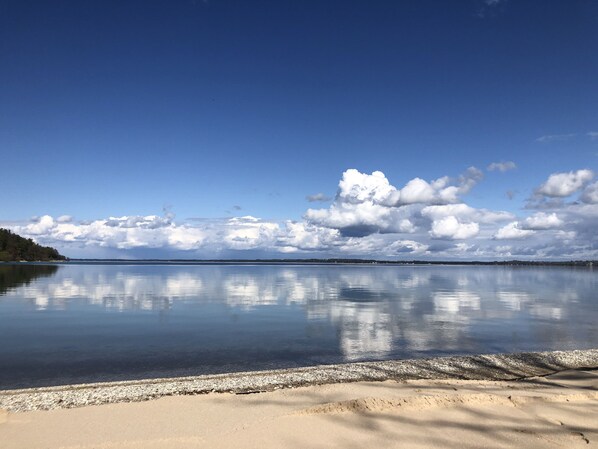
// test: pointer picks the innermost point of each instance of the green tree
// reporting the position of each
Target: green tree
(14, 248)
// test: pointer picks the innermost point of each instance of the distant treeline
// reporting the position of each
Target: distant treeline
(14, 248)
(570, 263)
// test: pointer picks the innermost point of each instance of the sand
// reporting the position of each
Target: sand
(559, 410)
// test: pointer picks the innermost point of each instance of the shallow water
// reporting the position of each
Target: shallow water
(79, 323)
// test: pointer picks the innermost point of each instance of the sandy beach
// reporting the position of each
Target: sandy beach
(560, 410)
(555, 410)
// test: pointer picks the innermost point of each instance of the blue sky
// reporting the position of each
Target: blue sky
(151, 128)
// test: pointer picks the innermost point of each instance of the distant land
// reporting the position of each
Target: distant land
(574, 263)
(14, 248)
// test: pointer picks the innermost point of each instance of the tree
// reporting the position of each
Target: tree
(14, 248)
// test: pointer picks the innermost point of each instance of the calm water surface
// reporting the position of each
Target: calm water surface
(78, 323)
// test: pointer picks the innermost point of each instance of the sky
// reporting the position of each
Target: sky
(427, 130)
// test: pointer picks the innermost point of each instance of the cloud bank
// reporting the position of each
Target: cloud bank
(368, 217)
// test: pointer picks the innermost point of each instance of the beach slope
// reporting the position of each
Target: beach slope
(559, 410)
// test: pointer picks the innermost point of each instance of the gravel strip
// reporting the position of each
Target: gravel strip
(480, 367)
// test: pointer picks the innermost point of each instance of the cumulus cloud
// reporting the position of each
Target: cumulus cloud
(357, 188)
(469, 179)
(512, 231)
(542, 221)
(502, 166)
(41, 225)
(590, 194)
(118, 232)
(137, 221)
(417, 191)
(155, 232)
(249, 232)
(369, 217)
(451, 228)
(318, 197)
(384, 245)
(364, 204)
(539, 221)
(355, 219)
(560, 185)
(369, 203)
(301, 236)
(64, 219)
(465, 213)
(408, 246)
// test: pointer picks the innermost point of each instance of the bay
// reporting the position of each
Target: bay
(75, 323)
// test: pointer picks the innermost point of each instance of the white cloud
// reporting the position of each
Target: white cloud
(41, 226)
(440, 191)
(465, 213)
(136, 221)
(249, 232)
(512, 231)
(382, 245)
(408, 246)
(318, 197)
(185, 238)
(451, 228)
(356, 187)
(367, 204)
(417, 191)
(364, 204)
(64, 219)
(542, 221)
(502, 166)
(593, 135)
(123, 232)
(307, 237)
(590, 194)
(369, 217)
(555, 137)
(469, 179)
(364, 218)
(560, 185)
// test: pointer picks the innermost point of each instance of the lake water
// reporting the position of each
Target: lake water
(77, 323)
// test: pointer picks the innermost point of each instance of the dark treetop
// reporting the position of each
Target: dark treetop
(13, 247)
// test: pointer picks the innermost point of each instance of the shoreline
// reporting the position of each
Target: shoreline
(479, 367)
(584, 263)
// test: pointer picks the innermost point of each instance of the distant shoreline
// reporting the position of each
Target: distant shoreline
(568, 263)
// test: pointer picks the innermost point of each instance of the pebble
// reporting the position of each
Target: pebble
(479, 367)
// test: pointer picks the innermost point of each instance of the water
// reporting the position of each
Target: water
(79, 323)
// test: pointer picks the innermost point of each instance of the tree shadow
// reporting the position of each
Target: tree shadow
(503, 424)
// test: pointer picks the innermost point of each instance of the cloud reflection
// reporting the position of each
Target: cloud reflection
(378, 312)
